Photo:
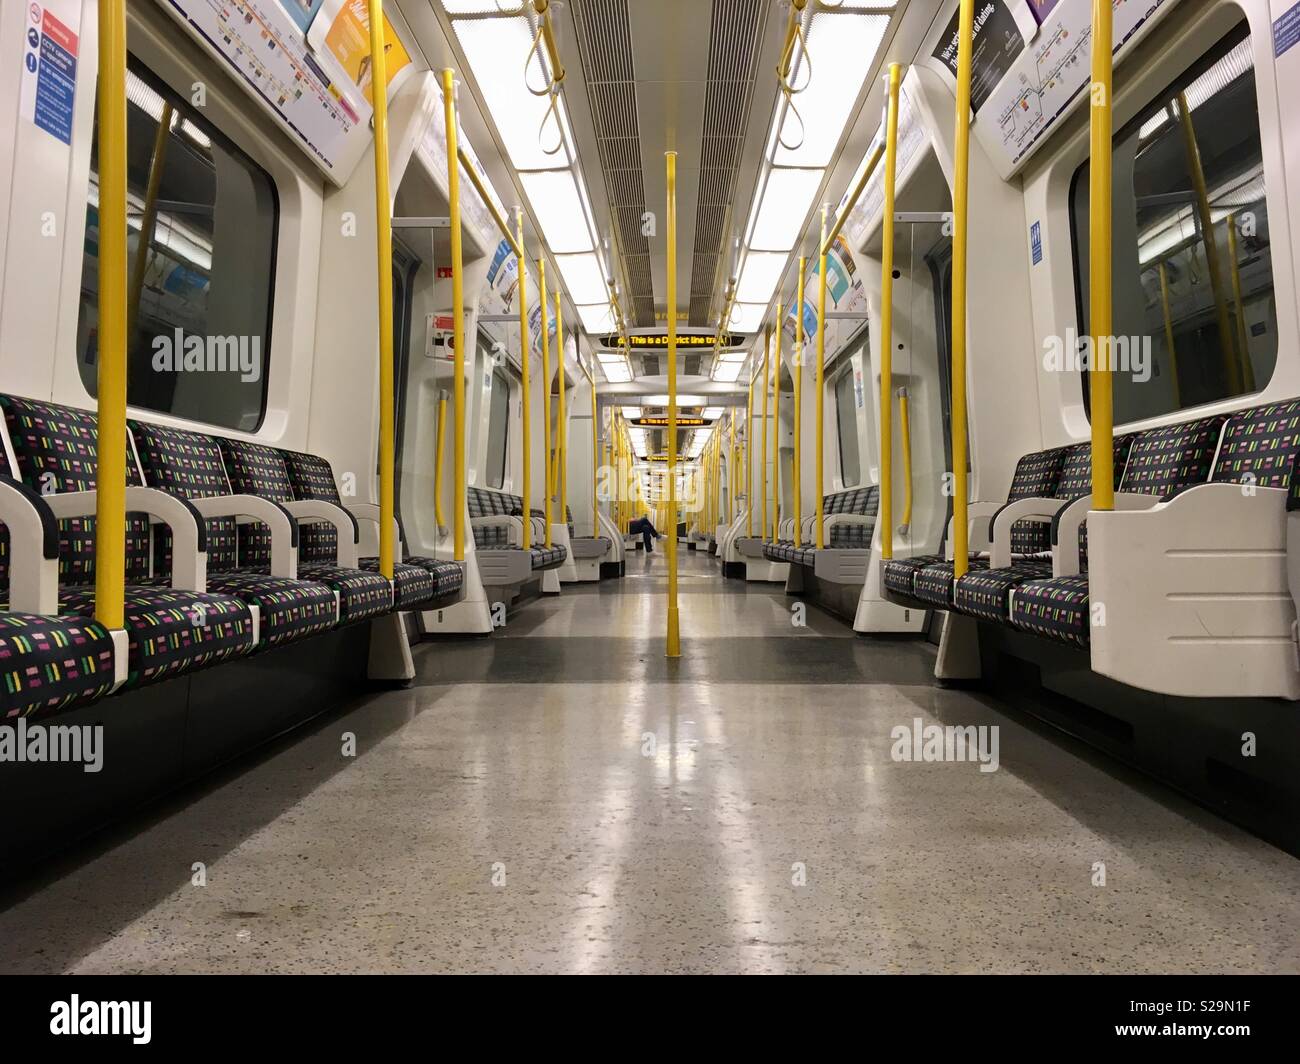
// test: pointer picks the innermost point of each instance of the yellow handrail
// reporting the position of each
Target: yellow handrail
(595, 456)
(731, 466)
(384, 255)
(548, 468)
(767, 360)
(477, 182)
(905, 432)
(873, 160)
(798, 404)
(1230, 362)
(821, 382)
(791, 35)
(1169, 333)
(960, 190)
(542, 7)
(458, 317)
(110, 473)
(1243, 346)
(1099, 264)
(437, 463)
(525, 476)
(674, 638)
(561, 428)
(149, 217)
(749, 457)
(776, 430)
(886, 519)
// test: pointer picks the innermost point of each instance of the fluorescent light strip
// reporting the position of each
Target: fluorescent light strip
(747, 317)
(558, 209)
(782, 208)
(583, 277)
(1236, 64)
(760, 275)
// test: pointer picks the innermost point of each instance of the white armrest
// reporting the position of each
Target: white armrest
(369, 512)
(1039, 510)
(33, 549)
(344, 524)
(189, 563)
(977, 526)
(515, 524)
(247, 508)
(1065, 546)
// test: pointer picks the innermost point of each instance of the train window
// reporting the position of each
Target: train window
(846, 418)
(199, 290)
(1195, 317)
(498, 429)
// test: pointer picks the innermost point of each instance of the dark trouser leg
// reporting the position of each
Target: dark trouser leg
(647, 539)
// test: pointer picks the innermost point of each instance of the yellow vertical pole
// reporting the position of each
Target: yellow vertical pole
(548, 468)
(1193, 151)
(562, 427)
(1243, 347)
(674, 641)
(595, 457)
(1099, 264)
(438, 452)
(820, 378)
(731, 467)
(767, 360)
(458, 320)
(110, 476)
(1169, 333)
(525, 351)
(799, 359)
(961, 187)
(384, 264)
(886, 519)
(749, 455)
(776, 429)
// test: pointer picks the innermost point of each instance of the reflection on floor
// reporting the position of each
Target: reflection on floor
(560, 798)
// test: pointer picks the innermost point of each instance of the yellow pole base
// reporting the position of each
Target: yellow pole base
(674, 649)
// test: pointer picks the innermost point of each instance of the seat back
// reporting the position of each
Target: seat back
(1259, 446)
(256, 469)
(55, 449)
(860, 502)
(1037, 476)
(190, 465)
(1166, 460)
(486, 503)
(312, 477)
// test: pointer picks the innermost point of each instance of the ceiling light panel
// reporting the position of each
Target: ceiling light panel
(483, 7)
(841, 51)
(558, 210)
(727, 372)
(583, 277)
(596, 318)
(517, 113)
(747, 317)
(784, 207)
(759, 276)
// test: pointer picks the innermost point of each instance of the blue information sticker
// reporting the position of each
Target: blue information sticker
(1286, 30)
(1036, 242)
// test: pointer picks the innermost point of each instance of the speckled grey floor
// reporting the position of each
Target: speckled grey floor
(650, 819)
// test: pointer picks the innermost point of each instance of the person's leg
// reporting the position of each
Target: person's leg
(647, 538)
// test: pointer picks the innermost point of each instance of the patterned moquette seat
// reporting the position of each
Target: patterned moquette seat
(169, 632)
(189, 465)
(856, 502)
(417, 580)
(255, 469)
(987, 593)
(1163, 462)
(1036, 477)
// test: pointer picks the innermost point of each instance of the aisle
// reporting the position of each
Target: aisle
(560, 798)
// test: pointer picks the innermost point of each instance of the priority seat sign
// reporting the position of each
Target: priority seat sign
(49, 84)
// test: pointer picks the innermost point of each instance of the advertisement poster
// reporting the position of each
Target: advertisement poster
(503, 277)
(49, 77)
(302, 11)
(342, 31)
(998, 40)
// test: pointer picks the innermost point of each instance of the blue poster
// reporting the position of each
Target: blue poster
(302, 11)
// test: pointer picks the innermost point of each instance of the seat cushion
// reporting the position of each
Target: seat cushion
(49, 664)
(172, 632)
(412, 586)
(1056, 608)
(900, 573)
(986, 593)
(548, 557)
(933, 583)
(361, 594)
(290, 609)
(448, 577)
